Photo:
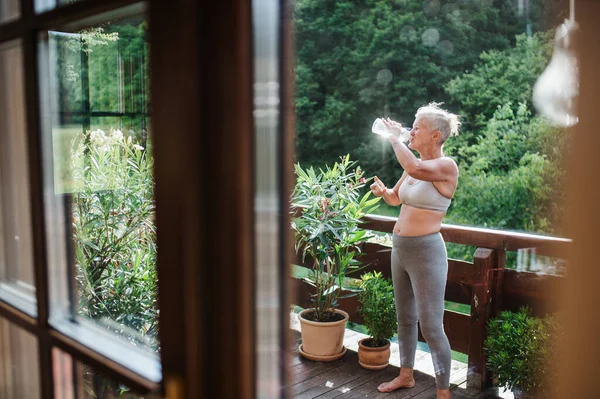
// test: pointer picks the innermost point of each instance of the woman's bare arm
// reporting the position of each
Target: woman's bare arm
(439, 169)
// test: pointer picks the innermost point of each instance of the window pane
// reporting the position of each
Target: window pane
(19, 376)
(75, 380)
(267, 205)
(47, 5)
(99, 175)
(95, 385)
(9, 10)
(16, 267)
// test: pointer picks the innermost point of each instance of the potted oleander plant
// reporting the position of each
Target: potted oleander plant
(378, 309)
(520, 350)
(328, 207)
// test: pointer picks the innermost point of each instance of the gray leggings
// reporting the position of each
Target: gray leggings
(419, 272)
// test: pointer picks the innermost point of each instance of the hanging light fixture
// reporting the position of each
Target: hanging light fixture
(555, 92)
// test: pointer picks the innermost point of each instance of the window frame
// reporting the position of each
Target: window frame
(16, 279)
(83, 341)
(197, 273)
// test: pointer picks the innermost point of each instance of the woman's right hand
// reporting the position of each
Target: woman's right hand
(394, 128)
(378, 188)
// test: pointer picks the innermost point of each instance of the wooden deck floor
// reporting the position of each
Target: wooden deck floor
(345, 378)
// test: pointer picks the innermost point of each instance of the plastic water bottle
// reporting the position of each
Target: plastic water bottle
(382, 130)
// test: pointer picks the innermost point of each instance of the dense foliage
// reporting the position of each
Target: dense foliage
(329, 207)
(358, 60)
(520, 349)
(377, 307)
(114, 232)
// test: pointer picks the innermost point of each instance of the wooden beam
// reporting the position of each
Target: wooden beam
(498, 282)
(32, 22)
(461, 278)
(456, 326)
(102, 363)
(177, 166)
(458, 293)
(19, 318)
(481, 308)
(537, 291)
(484, 238)
(461, 274)
(377, 257)
(206, 262)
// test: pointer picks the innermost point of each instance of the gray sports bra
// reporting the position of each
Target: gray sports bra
(424, 195)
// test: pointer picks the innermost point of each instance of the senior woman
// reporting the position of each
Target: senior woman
(419, 258)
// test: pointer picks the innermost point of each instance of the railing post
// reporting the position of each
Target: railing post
(498, 281)
(481, 310)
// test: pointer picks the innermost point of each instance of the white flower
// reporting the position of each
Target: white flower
(104, 148)
(138, 147)
(98, 137)
(117, 135)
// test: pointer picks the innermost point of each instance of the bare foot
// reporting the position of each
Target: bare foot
(398, 382)
(443, 394)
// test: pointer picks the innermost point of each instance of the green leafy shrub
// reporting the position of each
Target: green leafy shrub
(513, 175)
(114, 233)
(513, 71)
(329, 207)
(378, 308)
(520, 349)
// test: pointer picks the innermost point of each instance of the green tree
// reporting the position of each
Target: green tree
(511, 177)
(357, 60)
(500, 77)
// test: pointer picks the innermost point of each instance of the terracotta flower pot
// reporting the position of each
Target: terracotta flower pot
(322, 341)
(373, 358)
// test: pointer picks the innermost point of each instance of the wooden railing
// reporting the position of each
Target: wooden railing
(484, 284)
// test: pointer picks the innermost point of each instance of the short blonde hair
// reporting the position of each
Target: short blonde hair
(440, 119)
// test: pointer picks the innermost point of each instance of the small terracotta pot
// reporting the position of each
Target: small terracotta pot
(322, 341)
(373, 358)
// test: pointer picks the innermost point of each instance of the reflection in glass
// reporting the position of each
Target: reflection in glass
(47, 5)
(555, 93)
(9, 10)
(99, 176)
(16, 267)
(75, 380)
(267, 205)
(19, 377)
